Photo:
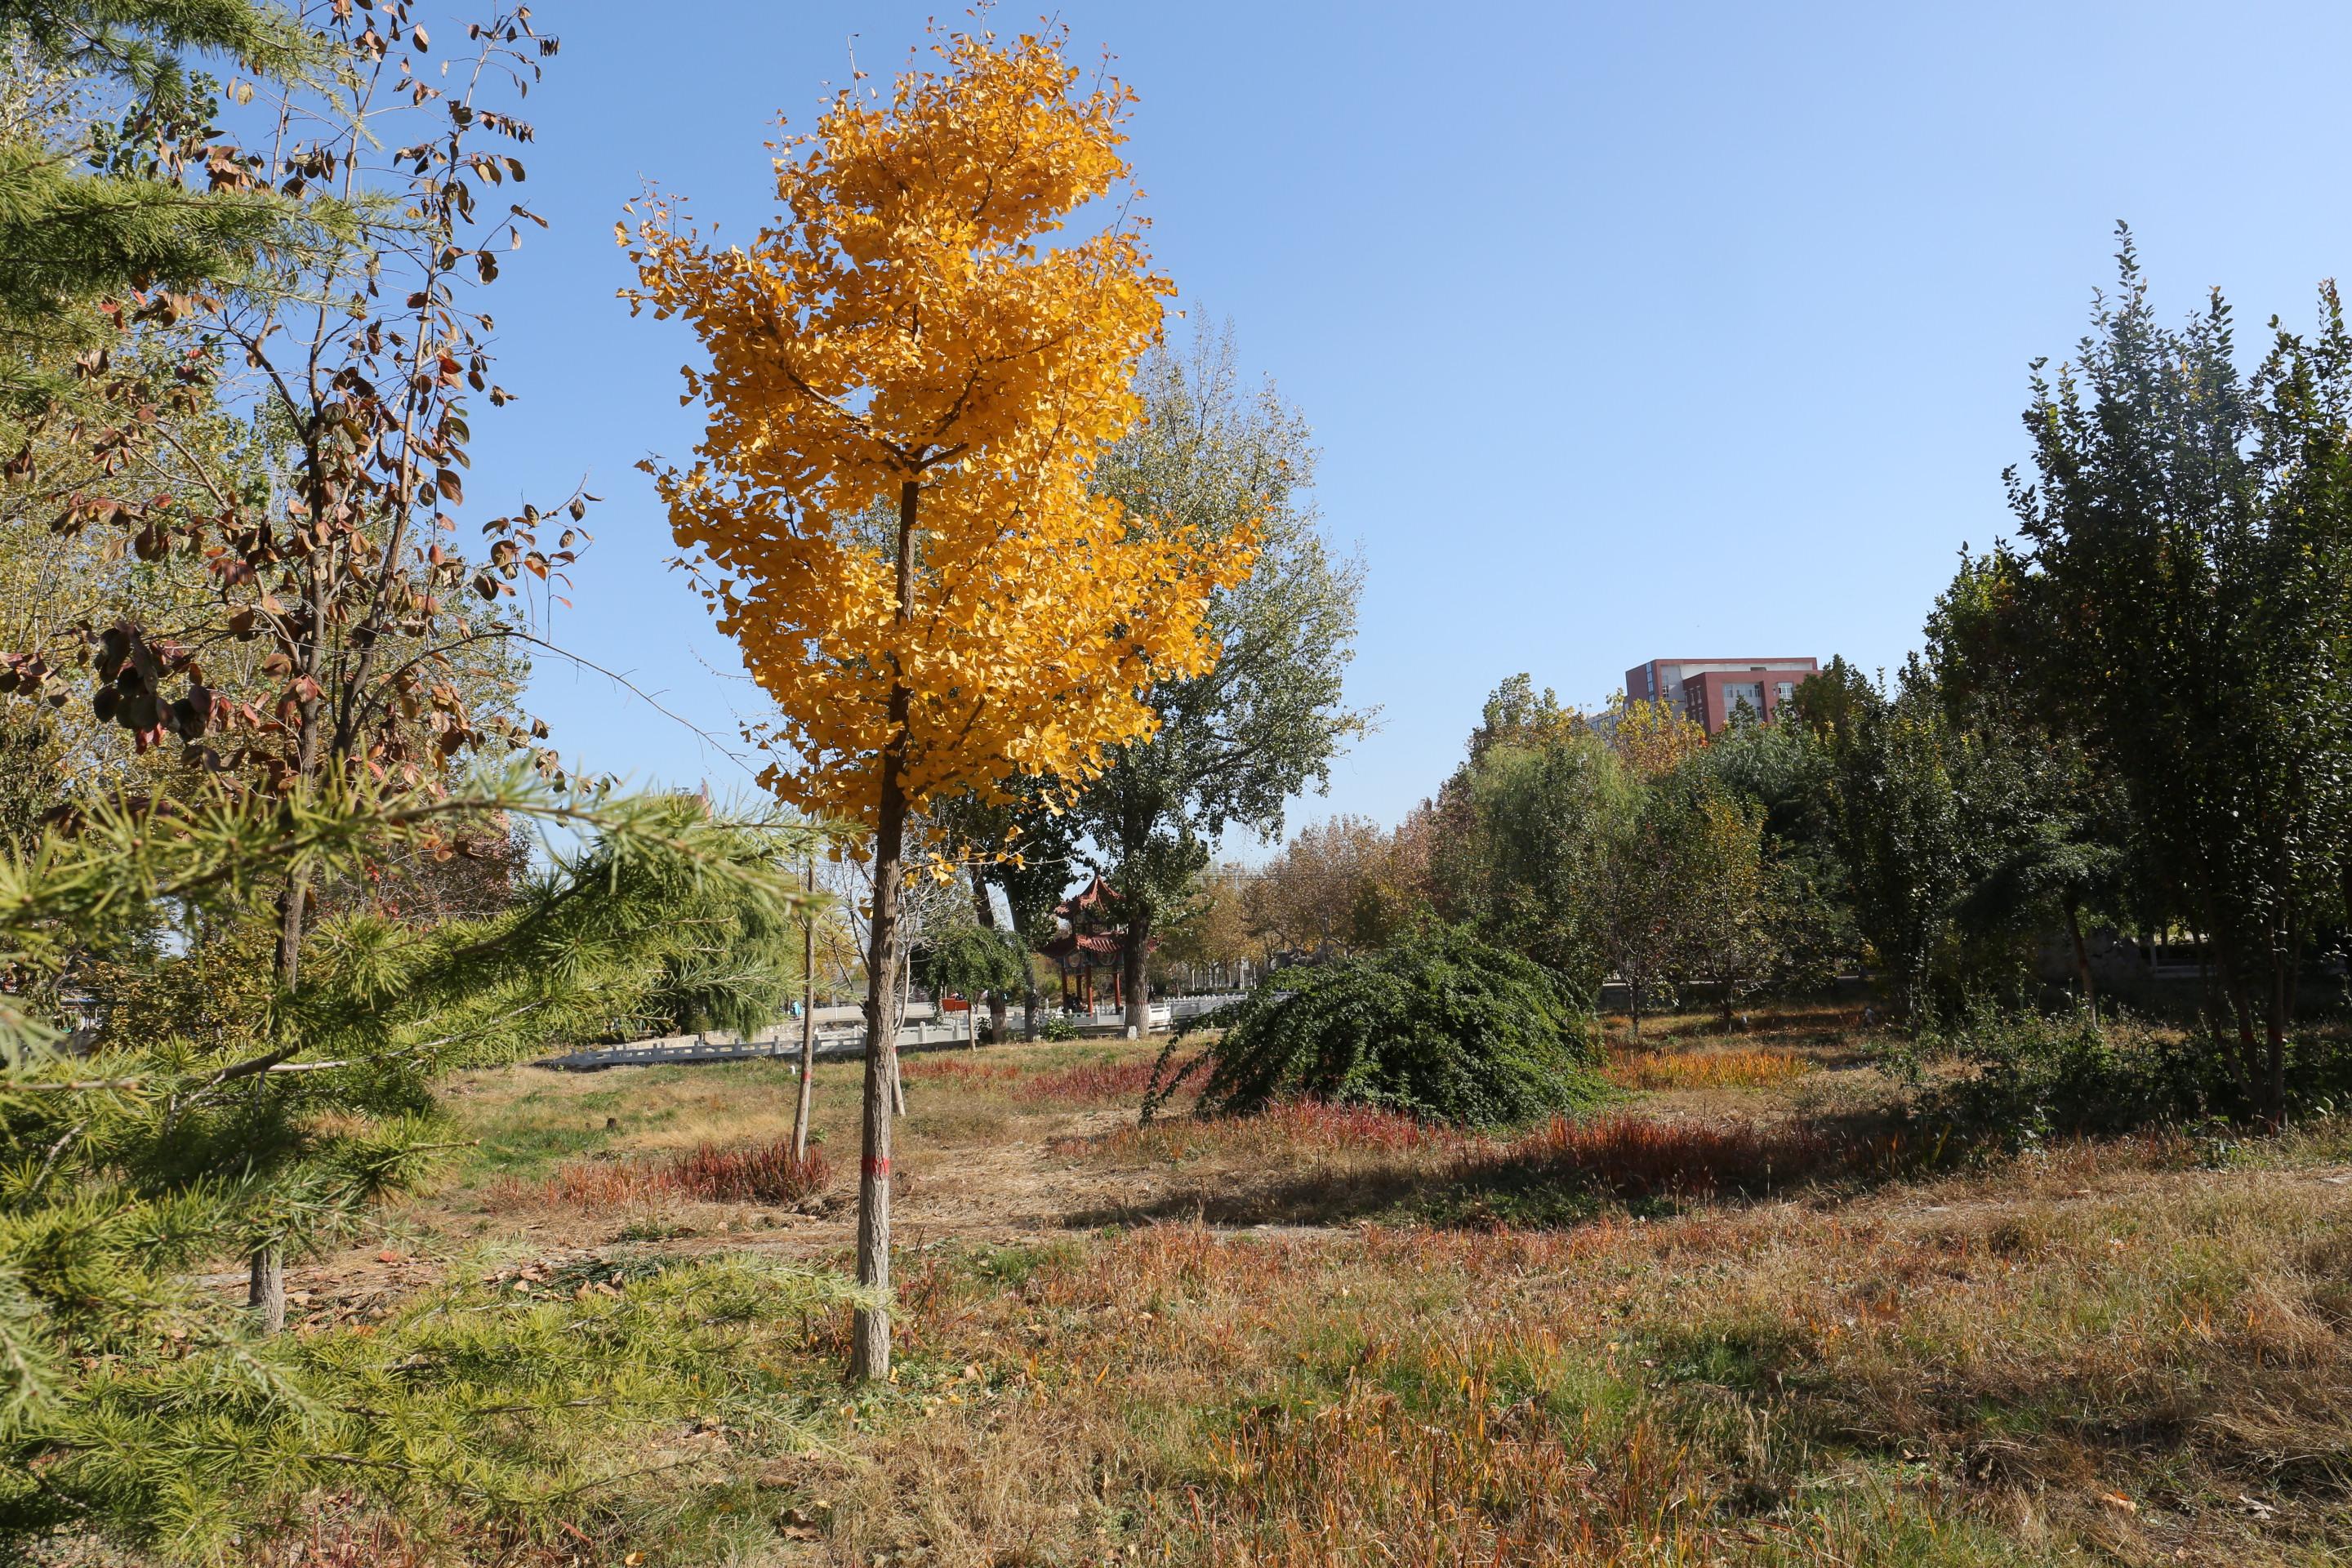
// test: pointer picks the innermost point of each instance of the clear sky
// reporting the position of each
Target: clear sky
(1627, 330)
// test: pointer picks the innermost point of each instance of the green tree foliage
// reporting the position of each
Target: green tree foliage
(1651, 880)
(1024, 848)
(2183, 594)
(972, 961)
(153, 197)
(269, 1127)
(1551, 815)
(266, 473)
(1965, 831)
(1234, 744)
(476, 1410)
(1901, 828)
(1518, 834)
(1440, 1026)
(1785, 771)
(1627, 846)
(733, 959)
(1730, 928)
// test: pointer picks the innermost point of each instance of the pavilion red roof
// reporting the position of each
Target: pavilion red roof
(1095, 892)
(1102, 944)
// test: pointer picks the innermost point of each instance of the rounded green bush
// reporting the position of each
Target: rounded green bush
(1441, 1028)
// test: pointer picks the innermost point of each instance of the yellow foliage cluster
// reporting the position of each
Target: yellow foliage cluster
(904, 364)
(1654, 737)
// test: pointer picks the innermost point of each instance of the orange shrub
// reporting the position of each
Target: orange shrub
(1706, 1069)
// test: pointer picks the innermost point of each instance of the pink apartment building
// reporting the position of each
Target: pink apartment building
(1712, 690)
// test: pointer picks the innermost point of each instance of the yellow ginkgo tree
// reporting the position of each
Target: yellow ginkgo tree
(912, 374)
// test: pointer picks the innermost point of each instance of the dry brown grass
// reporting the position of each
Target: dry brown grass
(1987, 1370)
(1306, 1162)
(1713, 1325)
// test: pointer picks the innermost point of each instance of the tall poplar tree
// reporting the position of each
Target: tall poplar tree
(1236, 742)
(2184, 586)
(911, 334)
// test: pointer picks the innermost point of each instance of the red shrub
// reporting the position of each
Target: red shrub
(1089, 1080)
(1637, 1156)
(1084, 1081)
(769, 1174)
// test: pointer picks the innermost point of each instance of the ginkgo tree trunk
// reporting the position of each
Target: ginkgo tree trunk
(913, 340)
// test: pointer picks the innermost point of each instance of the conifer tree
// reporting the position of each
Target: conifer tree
(156, 198)
(336, 628)
(124, 1171)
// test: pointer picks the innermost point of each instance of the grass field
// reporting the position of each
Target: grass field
(1730, 1319)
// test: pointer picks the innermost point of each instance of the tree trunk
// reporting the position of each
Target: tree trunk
(2082, 958)
(998, 1005)
(2245, 1058)
(1634, 1008)
(898, 1024)
(2209, 986)
(808, 1023)
(266, 1289)
(869, 1349)
(2282, 979)
(1131, 966)
(1029, 1004)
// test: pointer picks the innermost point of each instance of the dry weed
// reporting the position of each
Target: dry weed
(1706, 1069)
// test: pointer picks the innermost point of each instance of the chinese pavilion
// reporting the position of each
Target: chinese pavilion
(1092, 942)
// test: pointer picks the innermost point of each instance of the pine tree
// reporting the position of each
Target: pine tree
(123, 1171)
(119, 207)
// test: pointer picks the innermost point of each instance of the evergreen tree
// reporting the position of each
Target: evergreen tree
(269, 1129)
(100, 210)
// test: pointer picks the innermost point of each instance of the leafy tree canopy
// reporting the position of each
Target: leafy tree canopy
(1238, 740)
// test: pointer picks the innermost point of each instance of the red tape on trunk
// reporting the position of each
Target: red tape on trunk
(879, 1170)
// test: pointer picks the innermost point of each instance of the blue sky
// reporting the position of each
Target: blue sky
(1627, 330)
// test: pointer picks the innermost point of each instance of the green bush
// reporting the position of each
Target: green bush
(1441, 1028)
(2037, 1076)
